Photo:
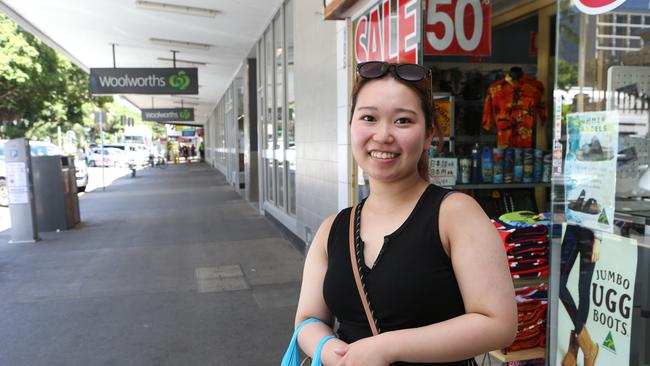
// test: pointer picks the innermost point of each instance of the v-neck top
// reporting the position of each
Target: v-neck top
(412, 283)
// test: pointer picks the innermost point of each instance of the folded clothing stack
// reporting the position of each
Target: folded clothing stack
(526, 242)
(532, 303)
(535, 362)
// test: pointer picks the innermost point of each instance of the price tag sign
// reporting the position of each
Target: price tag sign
(443, 171)
(458, 27)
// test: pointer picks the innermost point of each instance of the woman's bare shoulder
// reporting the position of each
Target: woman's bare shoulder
(323, 232)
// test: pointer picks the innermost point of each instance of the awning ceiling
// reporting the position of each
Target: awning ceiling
(85, 29)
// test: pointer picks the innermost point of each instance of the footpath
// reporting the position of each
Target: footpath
(169, 268)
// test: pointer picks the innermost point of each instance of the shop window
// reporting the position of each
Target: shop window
(277, 105)
(269, 118)
(279, 162)
(290, 151)
(601, 188)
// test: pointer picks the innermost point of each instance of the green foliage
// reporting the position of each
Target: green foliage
(40, 90)
(567, 74)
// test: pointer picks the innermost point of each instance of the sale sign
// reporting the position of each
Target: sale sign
(594, 7)
(458, 27)
(388, 31)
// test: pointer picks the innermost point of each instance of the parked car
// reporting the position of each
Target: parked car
(111, 157)
(81, 174)
(40, 148)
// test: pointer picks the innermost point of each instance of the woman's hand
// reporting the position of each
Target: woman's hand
(367, 351)
(595, 251)
(330, 354)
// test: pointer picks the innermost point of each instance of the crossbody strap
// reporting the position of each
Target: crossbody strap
(357, 276)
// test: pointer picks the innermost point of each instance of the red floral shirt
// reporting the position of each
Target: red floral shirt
(513, 106)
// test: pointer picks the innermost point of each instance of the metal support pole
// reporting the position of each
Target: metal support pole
(174, 57)
(113, 45)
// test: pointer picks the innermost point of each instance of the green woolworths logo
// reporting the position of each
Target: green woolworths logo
(179, 81)
(184, 114)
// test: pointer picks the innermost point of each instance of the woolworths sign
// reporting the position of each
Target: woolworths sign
(144, 81)
(168, 114)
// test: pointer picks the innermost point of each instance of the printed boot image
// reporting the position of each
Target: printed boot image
(588, 347)
(570, 359)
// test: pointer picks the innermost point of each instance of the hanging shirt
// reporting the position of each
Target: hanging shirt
(514, 106)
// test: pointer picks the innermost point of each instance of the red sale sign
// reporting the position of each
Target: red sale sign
(389, 32)
(594, 7)
(458, 27)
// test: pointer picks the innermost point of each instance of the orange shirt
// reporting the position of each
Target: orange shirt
(513, 106)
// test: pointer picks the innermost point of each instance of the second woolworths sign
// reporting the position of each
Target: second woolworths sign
(144, 81)
(168, 114)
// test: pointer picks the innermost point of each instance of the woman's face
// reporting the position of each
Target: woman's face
(388, 131)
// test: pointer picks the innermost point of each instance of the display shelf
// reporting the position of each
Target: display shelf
(523, 355)
(500, 185)
(482, 139)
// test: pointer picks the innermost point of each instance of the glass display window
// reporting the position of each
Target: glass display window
(601, 190)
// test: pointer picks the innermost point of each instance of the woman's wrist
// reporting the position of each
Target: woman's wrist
(388, 345)
(328, 356)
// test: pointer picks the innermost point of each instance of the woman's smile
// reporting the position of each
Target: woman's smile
(383, 155)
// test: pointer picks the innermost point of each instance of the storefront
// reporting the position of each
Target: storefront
(566, 147)
(273, 133)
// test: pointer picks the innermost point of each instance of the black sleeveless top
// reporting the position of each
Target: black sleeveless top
(412, 283)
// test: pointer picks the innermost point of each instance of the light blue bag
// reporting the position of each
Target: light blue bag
(292, 356)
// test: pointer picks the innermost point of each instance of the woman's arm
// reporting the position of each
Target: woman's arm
(312, 304)
(480, 265)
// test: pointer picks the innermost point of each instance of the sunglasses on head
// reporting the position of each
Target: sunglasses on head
(406, 72)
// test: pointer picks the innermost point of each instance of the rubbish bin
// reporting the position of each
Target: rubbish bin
(55, 193)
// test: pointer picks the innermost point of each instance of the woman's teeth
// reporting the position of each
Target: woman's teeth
(382, 155)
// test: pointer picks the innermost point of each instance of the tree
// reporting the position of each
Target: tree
(40, 90)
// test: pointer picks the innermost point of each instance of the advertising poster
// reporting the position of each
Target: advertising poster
(590, 169)
(17, 183)
(597, 279)
(444, 114)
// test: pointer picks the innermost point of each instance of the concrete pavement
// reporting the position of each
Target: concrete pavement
(169, 268)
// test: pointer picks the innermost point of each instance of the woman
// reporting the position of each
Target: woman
(434, 267)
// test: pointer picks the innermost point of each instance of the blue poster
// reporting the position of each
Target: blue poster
(590, 169)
